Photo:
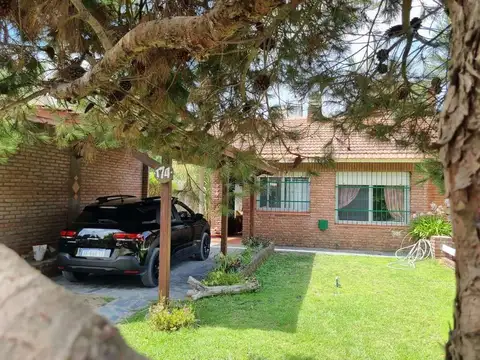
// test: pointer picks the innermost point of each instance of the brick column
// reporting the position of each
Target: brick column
(144, 181)
(74, 188)
(216, 204)
(437, 242)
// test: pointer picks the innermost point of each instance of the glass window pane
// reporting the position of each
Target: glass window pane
(380, 211)
(297, 194)
(355, 209)
(274, 192)
(395, 202)
(263, 191)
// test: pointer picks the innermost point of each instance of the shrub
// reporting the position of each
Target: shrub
(256, 241)
(426, 226)
(228, 263)
(218, 277)
(233, 262)
(246, 256)
(171, 316)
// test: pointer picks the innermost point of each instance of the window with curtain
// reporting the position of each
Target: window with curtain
(373, 197)
(285, 193)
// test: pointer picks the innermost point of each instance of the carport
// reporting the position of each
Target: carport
(164, 174)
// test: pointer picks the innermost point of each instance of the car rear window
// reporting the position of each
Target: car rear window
(109, 215)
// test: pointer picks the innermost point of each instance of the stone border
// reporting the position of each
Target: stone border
(258, 260)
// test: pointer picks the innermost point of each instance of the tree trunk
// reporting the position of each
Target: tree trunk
(459, 138)
(200, 291)
(41, 320)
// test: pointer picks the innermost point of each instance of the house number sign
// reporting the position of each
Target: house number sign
(164, 174)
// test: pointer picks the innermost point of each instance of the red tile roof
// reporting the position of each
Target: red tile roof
(315, 138)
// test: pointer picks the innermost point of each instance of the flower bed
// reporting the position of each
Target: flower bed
(233, 272)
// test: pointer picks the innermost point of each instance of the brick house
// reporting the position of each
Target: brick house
(42, 188)
(364, 201)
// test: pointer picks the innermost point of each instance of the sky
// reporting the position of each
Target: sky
(283, 96)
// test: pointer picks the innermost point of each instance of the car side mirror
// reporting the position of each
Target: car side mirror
(198, 217)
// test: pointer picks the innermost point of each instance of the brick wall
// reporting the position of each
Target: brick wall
(301, 229)
(34, 191)
(433, 195)
(111, 172)
(33, 197)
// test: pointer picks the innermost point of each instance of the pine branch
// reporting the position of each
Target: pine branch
(86, 16)
(197, 34)
(407, 29)
(23, 100)
(431, 42)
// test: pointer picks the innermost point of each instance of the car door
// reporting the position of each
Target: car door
(182, 230)
(198, 225)
(187, 217)
(178, 229)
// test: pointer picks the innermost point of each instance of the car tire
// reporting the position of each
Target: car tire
(204, 251)
(150, 277)
(74, 276)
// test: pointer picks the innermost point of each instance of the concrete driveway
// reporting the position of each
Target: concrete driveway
(129, 293)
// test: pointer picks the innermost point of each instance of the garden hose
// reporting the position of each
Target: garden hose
(421, 250)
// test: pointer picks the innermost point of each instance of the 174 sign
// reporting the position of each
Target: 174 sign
(164, 174)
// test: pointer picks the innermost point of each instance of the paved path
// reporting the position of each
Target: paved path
(129, 293)
(322, 251)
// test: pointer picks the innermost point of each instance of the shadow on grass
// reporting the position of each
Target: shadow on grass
(284, 281)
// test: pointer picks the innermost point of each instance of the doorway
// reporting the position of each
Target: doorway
(235, 210)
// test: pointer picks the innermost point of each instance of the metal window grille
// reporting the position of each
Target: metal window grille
(381, 198)
(284, 193)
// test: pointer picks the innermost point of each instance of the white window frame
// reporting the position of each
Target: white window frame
(371, 179)
(282, 193)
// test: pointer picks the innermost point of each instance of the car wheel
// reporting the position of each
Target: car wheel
(74, 276)
(150, 277)
(204, 251)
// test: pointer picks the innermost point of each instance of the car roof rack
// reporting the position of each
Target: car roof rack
(103, 199)
(156, 198)
(151, 198)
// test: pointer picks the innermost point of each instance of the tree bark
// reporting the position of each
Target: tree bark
(200, 291)
(96, 26)
(41, 320)
(459, 138)
(197, 34)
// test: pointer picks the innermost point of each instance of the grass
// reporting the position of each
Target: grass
(378, 313)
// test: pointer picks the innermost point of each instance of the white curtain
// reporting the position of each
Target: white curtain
(346, 194)
(395, 201)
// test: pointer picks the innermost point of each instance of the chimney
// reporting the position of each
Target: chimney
(315, 108)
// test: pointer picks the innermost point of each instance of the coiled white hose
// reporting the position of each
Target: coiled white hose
(407, 256)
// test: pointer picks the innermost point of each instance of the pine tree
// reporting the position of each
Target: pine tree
(185, 79)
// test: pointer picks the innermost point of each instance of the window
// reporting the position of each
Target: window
(108, 215)
(373, 198)
(183, 212)
(287, 193)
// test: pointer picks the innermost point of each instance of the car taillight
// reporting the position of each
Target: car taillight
(68, 234)
(128, 236)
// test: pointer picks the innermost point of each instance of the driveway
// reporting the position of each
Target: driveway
(129, 293)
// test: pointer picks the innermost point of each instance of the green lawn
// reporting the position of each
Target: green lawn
(379, 313)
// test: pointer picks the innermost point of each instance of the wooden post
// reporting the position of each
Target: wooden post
(224, 222)
(252, 213)
(165, 235)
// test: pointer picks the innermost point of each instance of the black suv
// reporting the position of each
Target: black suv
(119, 234)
